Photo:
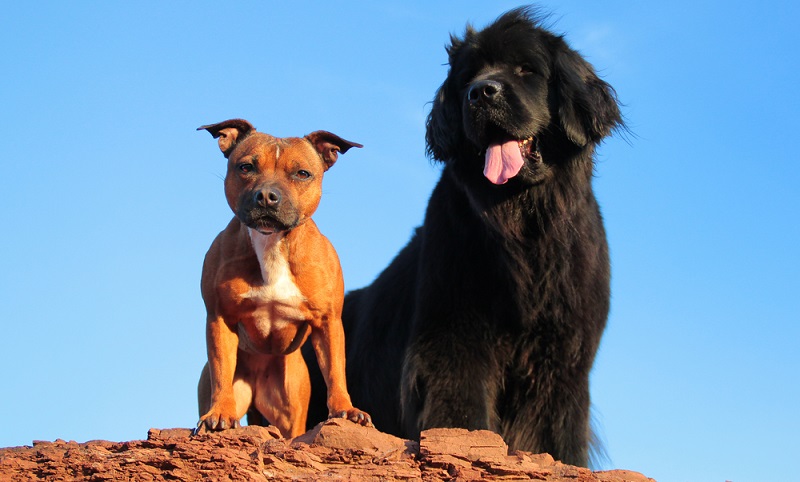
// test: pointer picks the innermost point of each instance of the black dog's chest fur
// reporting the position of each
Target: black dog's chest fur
(534, 262)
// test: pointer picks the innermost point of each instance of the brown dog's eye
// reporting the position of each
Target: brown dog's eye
(302, 175)
(245, 167)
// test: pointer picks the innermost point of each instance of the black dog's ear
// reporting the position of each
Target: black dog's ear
(440, 137)
(456, 43)
(587, 106)
(329, 146)
(442, 140)
(229, 133)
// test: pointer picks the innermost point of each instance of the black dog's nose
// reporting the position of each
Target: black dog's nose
(487, 90)
(268, 197)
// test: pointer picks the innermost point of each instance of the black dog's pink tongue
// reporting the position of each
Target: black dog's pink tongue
(503, 161)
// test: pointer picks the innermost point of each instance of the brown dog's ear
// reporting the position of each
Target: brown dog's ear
(229, 132)
(329, 145)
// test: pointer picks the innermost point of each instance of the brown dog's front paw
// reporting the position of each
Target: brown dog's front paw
(217, 419)
(354, 415)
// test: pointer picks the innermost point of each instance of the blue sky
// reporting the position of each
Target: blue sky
(109, 199)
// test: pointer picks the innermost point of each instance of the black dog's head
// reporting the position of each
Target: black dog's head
(517, 101)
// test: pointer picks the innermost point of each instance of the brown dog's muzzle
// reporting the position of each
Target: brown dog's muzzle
(267, 210)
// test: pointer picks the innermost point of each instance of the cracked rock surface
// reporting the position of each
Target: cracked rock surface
(334, 450)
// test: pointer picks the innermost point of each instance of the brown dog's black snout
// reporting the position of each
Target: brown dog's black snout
(268, 197)
(484, 91)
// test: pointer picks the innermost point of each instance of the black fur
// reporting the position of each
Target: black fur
(491, 316)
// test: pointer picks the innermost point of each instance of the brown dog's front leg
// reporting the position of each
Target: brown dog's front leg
(222, 343)
(328, 341)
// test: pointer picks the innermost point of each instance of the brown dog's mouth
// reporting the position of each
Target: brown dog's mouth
(266, 224)
(504, 159)
(265, 228)
(266, 231)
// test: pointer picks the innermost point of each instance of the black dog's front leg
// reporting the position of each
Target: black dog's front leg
(451, 370)
(449, 382)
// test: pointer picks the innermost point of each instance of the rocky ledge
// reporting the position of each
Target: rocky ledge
(334, 450)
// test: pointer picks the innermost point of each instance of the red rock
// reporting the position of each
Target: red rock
(338, 433)
(335, 450)
(459, 442)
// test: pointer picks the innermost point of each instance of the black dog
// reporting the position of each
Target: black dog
(491, 316)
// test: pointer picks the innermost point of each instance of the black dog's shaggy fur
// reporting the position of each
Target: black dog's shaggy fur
(491, 316)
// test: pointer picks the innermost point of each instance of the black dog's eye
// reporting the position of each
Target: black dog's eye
(244, 167)
(523, 70)
(302, 175)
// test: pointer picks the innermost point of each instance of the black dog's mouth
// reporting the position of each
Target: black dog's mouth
(506, 156)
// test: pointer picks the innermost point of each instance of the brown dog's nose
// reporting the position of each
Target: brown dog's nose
(486, 90)
(268, 197)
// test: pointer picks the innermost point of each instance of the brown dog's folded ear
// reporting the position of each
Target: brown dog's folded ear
(229, 132)
(329, 145)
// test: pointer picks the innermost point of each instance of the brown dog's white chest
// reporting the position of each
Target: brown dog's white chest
(275, 314)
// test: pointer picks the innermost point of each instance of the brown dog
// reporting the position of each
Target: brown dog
(268, 280)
